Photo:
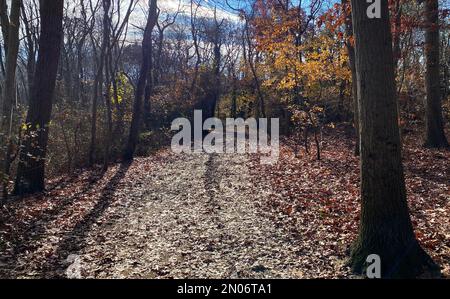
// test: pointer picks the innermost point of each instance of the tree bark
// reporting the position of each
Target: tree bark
(261, 109)
(98, 82)
(149, 86)
(398, 8)
(352, 64)
(12, 44)
(9, 90)
(385, 228)
(31, 168)
(142, 82)
(435, 136)
(108, 80)
(30, 47)
(217, 61)
(4, 22)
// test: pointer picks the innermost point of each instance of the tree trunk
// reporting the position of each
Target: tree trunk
(351, 51)
(261, 109)
(4, 22)
(31, 169)
(149, 86)
(9, 90)
(108, 80)
(435, 136)
(398, 7)
(12, 45)
(385, 227)
(352, 64)
(30, 48)
(214, 102)
(234, 94)
(142, 82)
(217, 61)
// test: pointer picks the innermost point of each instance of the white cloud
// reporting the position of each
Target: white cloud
(184, 6)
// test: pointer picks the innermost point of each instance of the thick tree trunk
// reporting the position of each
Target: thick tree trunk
(31, 169)
(9, 89)
(142, 82)
(435, 136)
(385, 228)
(12, 45)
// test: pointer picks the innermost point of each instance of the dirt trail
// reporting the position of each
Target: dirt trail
(198, 217)
(191, 216)
(206, 216)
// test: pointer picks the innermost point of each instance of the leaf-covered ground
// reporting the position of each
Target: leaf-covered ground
(213, 216)
(320, 199)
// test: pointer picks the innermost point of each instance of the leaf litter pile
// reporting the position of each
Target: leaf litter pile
(213, 216)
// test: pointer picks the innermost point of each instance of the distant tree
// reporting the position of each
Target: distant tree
(101, 71)
(216, 33)
(31, 169)
(352, 64)
(385, 227)
(142, 81)
(435, 136)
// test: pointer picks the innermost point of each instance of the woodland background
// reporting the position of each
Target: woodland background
(128, 68)
(269, 58)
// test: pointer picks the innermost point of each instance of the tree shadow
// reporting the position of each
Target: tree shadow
(75, 240)
(427, 175)
(212, 183)
(26, 234)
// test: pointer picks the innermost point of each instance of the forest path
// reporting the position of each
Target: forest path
(198, 217)
(192, 216)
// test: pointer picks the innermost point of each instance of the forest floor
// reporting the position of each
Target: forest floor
(214, 216)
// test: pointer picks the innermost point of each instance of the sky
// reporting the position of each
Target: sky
(224, 10)
(206, 9)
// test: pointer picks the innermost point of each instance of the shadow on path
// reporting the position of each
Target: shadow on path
(28, 233)
(74, 241)
(212, 179)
